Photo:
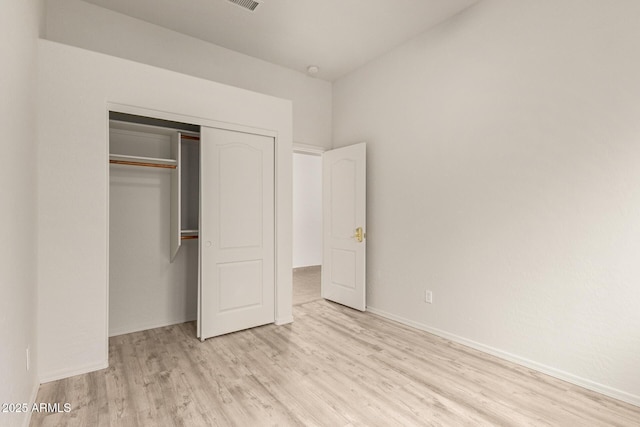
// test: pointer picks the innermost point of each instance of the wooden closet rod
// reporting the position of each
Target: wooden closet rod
(149, 165)
(191, 137)
(188, 237)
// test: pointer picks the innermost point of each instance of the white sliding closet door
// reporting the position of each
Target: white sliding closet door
(236, 239)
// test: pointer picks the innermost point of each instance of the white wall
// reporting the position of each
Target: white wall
(307, 210)
(19, 28)
(503, 176)
(81, 24)
(76, 88)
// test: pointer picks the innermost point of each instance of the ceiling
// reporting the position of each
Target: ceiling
(338, 36)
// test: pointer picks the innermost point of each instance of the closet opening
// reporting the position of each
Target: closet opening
(153, 222)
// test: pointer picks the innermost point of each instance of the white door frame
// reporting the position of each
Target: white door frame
(312, 150)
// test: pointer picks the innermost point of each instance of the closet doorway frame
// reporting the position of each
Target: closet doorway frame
(281, 296)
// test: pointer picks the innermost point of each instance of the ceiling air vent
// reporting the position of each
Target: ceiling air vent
(246, 4)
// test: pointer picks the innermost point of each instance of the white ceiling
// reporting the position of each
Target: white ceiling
(336, 35)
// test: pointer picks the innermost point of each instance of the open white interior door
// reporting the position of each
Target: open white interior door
(344, 226)
(236, 237)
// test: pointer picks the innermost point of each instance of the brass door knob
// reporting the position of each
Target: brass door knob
(359, 236)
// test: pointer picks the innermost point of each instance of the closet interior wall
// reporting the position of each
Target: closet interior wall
(149, 287)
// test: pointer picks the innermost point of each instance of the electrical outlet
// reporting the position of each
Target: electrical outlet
(28, 360)
(428, 297)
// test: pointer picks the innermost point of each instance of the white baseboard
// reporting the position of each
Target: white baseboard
(548, 370)
(66, 373)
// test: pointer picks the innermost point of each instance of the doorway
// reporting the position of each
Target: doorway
(337, 209)
(307, 225)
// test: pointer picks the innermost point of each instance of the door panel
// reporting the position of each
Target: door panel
(240, 285)
(343, 197)
(343, 268)
(240, 167)
(236, 231)
(344, 213)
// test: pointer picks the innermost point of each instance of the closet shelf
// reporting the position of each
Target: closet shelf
(193, 137)
(154, 162)
(188, 234)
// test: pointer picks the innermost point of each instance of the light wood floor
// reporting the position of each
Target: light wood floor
(306, 284)
(332, 367)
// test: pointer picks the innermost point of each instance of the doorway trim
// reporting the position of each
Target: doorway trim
(314, 150)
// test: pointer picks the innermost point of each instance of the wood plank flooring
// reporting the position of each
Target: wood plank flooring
(306, 284)
(332, 367)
